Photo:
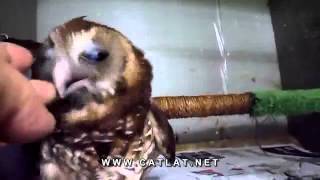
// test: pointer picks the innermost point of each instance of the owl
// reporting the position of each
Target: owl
(103, 108)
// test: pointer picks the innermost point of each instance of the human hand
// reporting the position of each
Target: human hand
(23, 115)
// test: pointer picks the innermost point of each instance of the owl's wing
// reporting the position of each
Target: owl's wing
(163, 134)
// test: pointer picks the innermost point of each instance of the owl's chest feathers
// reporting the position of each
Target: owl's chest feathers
(131, 138)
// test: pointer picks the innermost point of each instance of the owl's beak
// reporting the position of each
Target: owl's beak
(61, 76)
(65, 80)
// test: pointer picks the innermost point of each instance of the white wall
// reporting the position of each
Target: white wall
(181, 42)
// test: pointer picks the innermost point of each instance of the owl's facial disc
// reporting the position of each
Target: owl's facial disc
(70, 74)
(93, 59)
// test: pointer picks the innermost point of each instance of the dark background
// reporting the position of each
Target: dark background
(19, 18)
(296, 26)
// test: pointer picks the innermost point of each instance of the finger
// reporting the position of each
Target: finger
(23, 116)
(45, 90)
(30, 123)
(20, 58)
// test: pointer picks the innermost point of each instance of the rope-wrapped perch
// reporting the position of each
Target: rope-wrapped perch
(203, 106)
(277, 102)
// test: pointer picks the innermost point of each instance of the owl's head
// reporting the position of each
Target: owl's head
(94, 68)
